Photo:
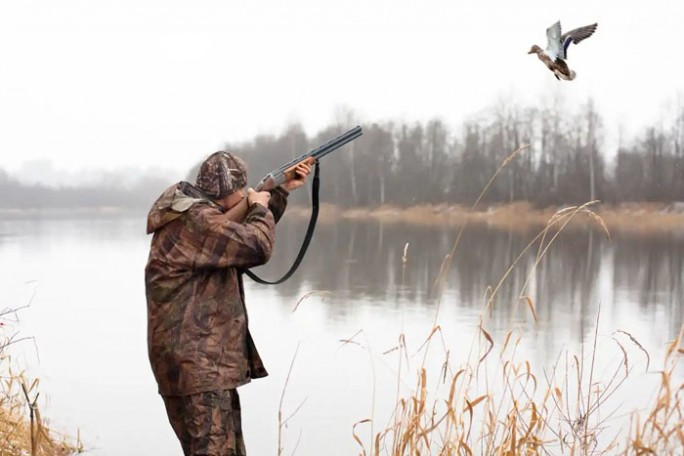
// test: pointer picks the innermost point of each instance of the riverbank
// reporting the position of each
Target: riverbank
(629, 217)
(637, 218)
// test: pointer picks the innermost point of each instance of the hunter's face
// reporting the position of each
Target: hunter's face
(234, 198)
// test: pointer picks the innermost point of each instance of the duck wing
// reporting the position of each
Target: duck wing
(575, 36)
(554, 48)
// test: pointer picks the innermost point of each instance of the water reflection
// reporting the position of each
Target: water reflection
(362, 261)
(89, 315)
(580, 271)
(650, 271)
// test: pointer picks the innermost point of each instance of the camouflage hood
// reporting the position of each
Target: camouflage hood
(173, 202)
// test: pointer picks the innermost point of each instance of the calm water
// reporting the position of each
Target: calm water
(84, 279)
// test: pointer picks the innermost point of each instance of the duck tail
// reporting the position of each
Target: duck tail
(566, 76)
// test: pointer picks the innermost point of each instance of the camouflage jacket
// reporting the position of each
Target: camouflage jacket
(197, 333)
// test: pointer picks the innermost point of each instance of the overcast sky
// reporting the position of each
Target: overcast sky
(140, 83)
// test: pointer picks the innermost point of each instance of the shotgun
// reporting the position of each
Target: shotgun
(286, 172)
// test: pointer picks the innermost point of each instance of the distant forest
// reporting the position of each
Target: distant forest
(406, 164)
(16, 195)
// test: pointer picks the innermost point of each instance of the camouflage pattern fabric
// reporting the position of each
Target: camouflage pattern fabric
(198, 336)
(221, 174)
(207, 423)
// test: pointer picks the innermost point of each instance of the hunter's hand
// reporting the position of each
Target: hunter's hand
(257, 197)
(301, 171)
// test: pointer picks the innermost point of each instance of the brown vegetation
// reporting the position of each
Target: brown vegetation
(496, 404)
(23, 431)
(633, 218)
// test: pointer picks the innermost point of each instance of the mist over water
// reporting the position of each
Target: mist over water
(84, 280)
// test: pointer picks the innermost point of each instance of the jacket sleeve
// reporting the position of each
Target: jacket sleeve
(211, 241)
(278, 202)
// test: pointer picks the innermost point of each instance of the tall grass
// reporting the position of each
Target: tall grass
(23, 430)
(493, 403)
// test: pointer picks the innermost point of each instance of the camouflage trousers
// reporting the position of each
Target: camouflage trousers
(207, 424)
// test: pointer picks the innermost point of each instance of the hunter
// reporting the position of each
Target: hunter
(199, 343)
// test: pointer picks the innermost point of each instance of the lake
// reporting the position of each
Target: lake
(83, 278)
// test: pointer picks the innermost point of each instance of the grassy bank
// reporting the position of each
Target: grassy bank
(23, 430)
(632, 218)
(637, 218)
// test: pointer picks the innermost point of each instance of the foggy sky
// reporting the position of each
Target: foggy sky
(141, 83)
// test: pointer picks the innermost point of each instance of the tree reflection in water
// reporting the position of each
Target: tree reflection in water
(363, 261)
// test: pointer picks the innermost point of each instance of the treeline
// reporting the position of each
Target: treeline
(415, 163)
(16, 195)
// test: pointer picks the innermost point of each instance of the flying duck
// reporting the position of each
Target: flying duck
(557, 50)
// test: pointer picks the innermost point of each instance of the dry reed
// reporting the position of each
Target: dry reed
(23, 431)
(500, 405)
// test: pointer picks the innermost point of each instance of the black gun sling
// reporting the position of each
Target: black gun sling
(307, 238)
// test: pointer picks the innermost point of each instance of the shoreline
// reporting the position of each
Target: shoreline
(520, 216)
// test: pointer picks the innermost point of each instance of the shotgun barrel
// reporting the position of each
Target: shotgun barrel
(286, 172)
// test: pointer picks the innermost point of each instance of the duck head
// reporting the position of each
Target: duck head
(534, 50)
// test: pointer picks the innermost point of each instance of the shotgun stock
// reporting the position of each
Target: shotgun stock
(277, 177)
